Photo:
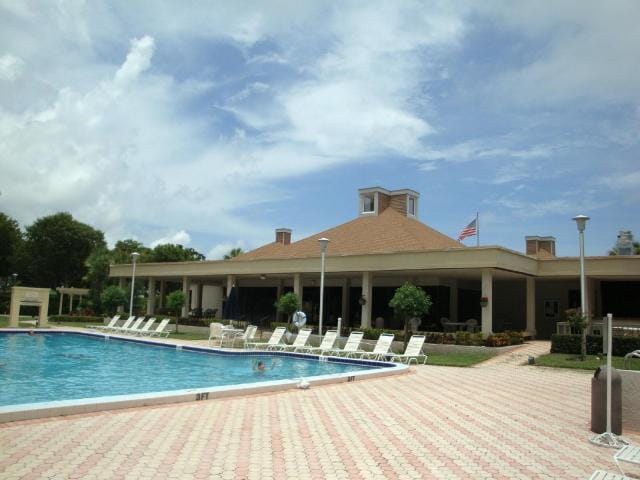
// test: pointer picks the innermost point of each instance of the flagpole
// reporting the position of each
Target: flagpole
(477, 230)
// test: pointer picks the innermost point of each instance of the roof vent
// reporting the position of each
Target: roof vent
(283, 236)
(541, 247)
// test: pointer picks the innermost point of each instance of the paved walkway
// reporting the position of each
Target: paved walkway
(495, 420)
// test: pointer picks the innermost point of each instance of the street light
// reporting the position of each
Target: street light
(135, 256)
(581, 221)
(323, 250)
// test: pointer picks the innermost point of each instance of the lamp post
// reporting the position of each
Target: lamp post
(323, 250)
(581, 221)
(135, 256)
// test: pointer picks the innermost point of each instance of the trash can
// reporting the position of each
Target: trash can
(599, 401)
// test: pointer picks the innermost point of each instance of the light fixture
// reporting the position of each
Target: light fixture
(581, 221)
(134, 256)
(362, 300)
(263, 276)
(323, 250)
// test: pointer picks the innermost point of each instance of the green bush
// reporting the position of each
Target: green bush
(571, 344)
(440, 338)
(75, 319)
(463, 337)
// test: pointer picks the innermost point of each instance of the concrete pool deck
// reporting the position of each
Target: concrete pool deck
(499, 419)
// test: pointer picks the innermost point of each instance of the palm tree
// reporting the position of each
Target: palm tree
(234, 252)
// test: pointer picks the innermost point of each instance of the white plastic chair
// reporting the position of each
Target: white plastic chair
(125, 325)
(381, 348)
(215, 332)
(328, 342)
(160, 329)
(350, 347)
(112, 323)
(301, 340)
(274, 340)
(413, 350)
(248, 335)
(144, 330)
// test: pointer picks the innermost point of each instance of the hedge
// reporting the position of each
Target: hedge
(75, 319)
(571, 344)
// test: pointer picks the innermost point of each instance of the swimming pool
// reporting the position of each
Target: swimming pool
(56, 369)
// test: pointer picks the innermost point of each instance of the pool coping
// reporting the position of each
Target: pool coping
(31, 411)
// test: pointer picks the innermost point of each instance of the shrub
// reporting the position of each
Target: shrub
(371, 333)
(498, 340)
(75, 318)
(571, 344)
(464, 337)
(515, 338)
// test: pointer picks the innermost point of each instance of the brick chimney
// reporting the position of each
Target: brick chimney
(541, 247)
(283, 236)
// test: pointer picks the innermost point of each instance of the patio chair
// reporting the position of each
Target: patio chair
(248, 335)
(133, 328)
(629, 454)
(301, 340)
(215, 332)
(629, 356)
(144, 330)
(124, 326)
(602, 475)
(381, 348)
(160, 329)
(413, 350)
(472, 325)
(328, 342)
(350, 347)
(274, 340)
(112, 323)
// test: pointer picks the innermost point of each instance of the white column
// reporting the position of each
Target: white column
(186, 285)
(531, 306)
(345, 300)
(297, 286)
(70, 303)
(151, 296)
(367, 292)
(487, 312)
(162, 294)
(279, 288)
(453, 301)
(200, 294)
(231, 280)
(61, 300)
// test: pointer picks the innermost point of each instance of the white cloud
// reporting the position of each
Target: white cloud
(217, 252)
(179, 238)
(11, 67)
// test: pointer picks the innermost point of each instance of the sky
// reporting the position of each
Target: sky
(210, 124)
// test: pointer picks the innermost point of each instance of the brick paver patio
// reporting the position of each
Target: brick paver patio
(496, 420)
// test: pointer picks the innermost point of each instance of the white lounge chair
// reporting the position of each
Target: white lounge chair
(350, 347)
(628, 454)
(413, 350)
(380, 350)
(145, 329)
(112, 323)
(133, 328)
(328, 342)
(274, 340)
(124, 326)
(248, 335)
(215, 332)
(160, 329)
(602, 475)
(301, 340)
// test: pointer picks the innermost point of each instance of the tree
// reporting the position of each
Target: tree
(174, 303)
(409, 301)
(123, 249)
(636, 249)
(57, 247)
(288, 304)
(170, 252)
(234, 252)
(10, 242)
(97, 275)
(579, 322)
(112, 297)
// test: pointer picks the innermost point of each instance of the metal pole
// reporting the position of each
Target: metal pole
(133, 281)
(609, 347)
(321, 292)
(477, 230)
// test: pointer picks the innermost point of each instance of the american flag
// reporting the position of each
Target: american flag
(468, 231)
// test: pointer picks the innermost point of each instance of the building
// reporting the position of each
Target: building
(385, 246)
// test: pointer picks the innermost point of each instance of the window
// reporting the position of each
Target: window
(369, 203)
(411, 206)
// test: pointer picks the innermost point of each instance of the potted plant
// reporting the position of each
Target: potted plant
(484, 301)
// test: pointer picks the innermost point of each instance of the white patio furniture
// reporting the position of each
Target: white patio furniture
(413, 350)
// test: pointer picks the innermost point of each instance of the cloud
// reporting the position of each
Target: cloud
(217, 252)
(11, 67)
(179, 238)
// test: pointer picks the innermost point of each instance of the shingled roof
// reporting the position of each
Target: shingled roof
(388, 232)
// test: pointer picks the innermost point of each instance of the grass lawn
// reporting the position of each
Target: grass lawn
(457, 359)
(189, 336)
(564, 360)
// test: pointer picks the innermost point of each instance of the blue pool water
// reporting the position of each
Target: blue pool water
(49, 367)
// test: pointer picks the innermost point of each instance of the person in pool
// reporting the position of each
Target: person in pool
(260, 366)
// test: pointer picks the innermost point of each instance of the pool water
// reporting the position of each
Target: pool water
(50, 367)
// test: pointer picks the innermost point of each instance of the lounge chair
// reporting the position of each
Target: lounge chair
(215, 332)
(602, 475)
(629, 454)
(328, 342)
(124, 326)
(301, 340)
(248, 335)
(350, 347)
(133, 328)
(144, 330)
(160, 329)
(380, 350)
(274, 340)
(112, 323)
(413, 350)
